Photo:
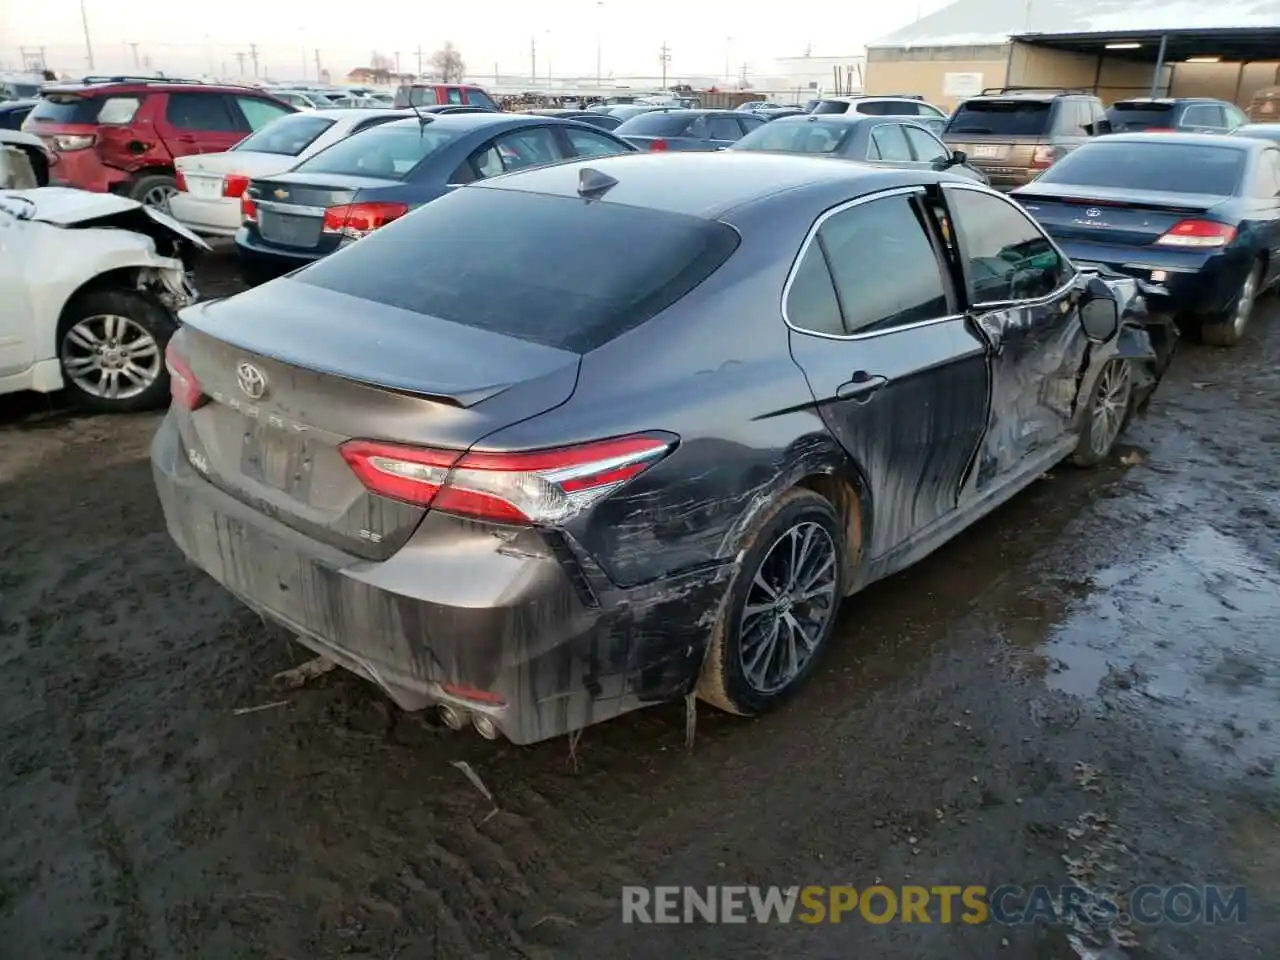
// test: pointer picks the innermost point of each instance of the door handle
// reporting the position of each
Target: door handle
(862, 386)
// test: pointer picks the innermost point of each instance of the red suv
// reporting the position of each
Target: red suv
(122, 134)
(431, 94)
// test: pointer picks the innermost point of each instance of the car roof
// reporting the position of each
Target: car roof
(700, 184)
(468, 121)
(156, 84)
(689, 111)
(1186, 140)
(361, 113)
(848, 119)
(1168, 100)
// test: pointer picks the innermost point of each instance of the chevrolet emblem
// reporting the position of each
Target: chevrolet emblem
(281, 194)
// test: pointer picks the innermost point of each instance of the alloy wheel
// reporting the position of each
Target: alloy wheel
(111, 357)
(158, 197)
(788, 606)
(1244, 302)
(1110, 405)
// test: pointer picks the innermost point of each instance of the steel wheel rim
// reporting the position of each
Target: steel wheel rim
(159, 197)
(1111, 405)
(111, 357)
(788, 606)
(1244, 304)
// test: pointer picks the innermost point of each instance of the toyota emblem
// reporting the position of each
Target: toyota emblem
(252, 380)
(1093, 213)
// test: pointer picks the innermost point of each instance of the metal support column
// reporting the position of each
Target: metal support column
(1097, 74)
(1239, 82)
(1008, 63)
(1155, 76)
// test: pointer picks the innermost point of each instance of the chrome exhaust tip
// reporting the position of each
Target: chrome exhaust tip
(484, 726)
(451, 717)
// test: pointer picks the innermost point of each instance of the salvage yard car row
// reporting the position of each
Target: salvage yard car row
(550, 427)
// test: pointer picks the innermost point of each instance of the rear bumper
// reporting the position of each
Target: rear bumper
(219, 217)
(456, 605)
(84, 170)
(1192, 282)
(261, 259)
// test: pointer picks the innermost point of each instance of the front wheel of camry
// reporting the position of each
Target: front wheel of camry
(780, 609)
(1107, 413)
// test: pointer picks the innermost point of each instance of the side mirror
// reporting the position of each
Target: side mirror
(1099, 312)
(959, 158)
(1101, 127)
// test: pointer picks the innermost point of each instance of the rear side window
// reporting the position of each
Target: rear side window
(551, 270)
(423, 97)
(288, 136)
(383, 152)
(1002, 118)
(723, 128)
(1135, 117)
(59, 109)
(831, 106)
(118, 111)
(200, 111)
(1169, 167)
(480, 99)
(655, 125)
(889, 143)
(811, 302)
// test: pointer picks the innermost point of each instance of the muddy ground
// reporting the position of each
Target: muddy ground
(1105, 644)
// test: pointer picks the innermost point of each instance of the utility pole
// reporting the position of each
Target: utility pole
(88, 44)
(418, 52)
(599, 9)
(664, 55)
(397, 56)
(743, 80)
(533, 60)
(240, 60)
(318, 68)
(133, 45)
(253, 55)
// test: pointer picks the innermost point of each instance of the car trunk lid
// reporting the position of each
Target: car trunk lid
(205, 173)
(1108, 215)
(293, 371)
(291, 212)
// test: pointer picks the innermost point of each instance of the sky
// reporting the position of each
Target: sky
(190, 37)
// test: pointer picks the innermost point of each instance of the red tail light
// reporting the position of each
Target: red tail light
(234, 185)
(1042, 158)
(248, 209)
(1198, 233)
(473, 694)
(181, 181)
(184, 388)
(533, 487)
(355, 220)
(658, 146)
(1158, 130)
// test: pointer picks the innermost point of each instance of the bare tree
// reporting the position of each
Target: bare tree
(383, 66)
(448, 65)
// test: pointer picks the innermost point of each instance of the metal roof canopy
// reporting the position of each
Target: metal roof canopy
(1168, 48)
(1240, 45)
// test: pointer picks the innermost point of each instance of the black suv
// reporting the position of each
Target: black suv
(1013, 134)
(1181, 114)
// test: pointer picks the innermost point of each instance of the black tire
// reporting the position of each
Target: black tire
(1226, 329)
(255, 274)
(145, 316)
(145, 187)
(1096, 437)
(724, 681)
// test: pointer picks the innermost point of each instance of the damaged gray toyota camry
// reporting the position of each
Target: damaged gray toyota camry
(579, 439)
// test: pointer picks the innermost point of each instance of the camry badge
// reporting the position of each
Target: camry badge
(1093, 213)
(281, 194)
(252, 380)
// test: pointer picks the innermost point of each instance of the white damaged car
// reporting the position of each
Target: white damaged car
(90, 284)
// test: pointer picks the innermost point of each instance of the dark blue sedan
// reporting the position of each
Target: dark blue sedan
(674, 129)
(364, 182)
(1194, 217)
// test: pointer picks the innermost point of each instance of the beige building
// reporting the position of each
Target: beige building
(1119, 48)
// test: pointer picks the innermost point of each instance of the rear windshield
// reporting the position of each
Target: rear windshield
(66, 110)
(1163, 167)
(803, 136)
(288, 136)
(830, 106)
(551, 270)
(1003, 118)
(387, 153)
(626, 113)
(1139, 116)
(660, 124)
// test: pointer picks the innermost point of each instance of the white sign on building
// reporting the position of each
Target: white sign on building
(961, 85)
